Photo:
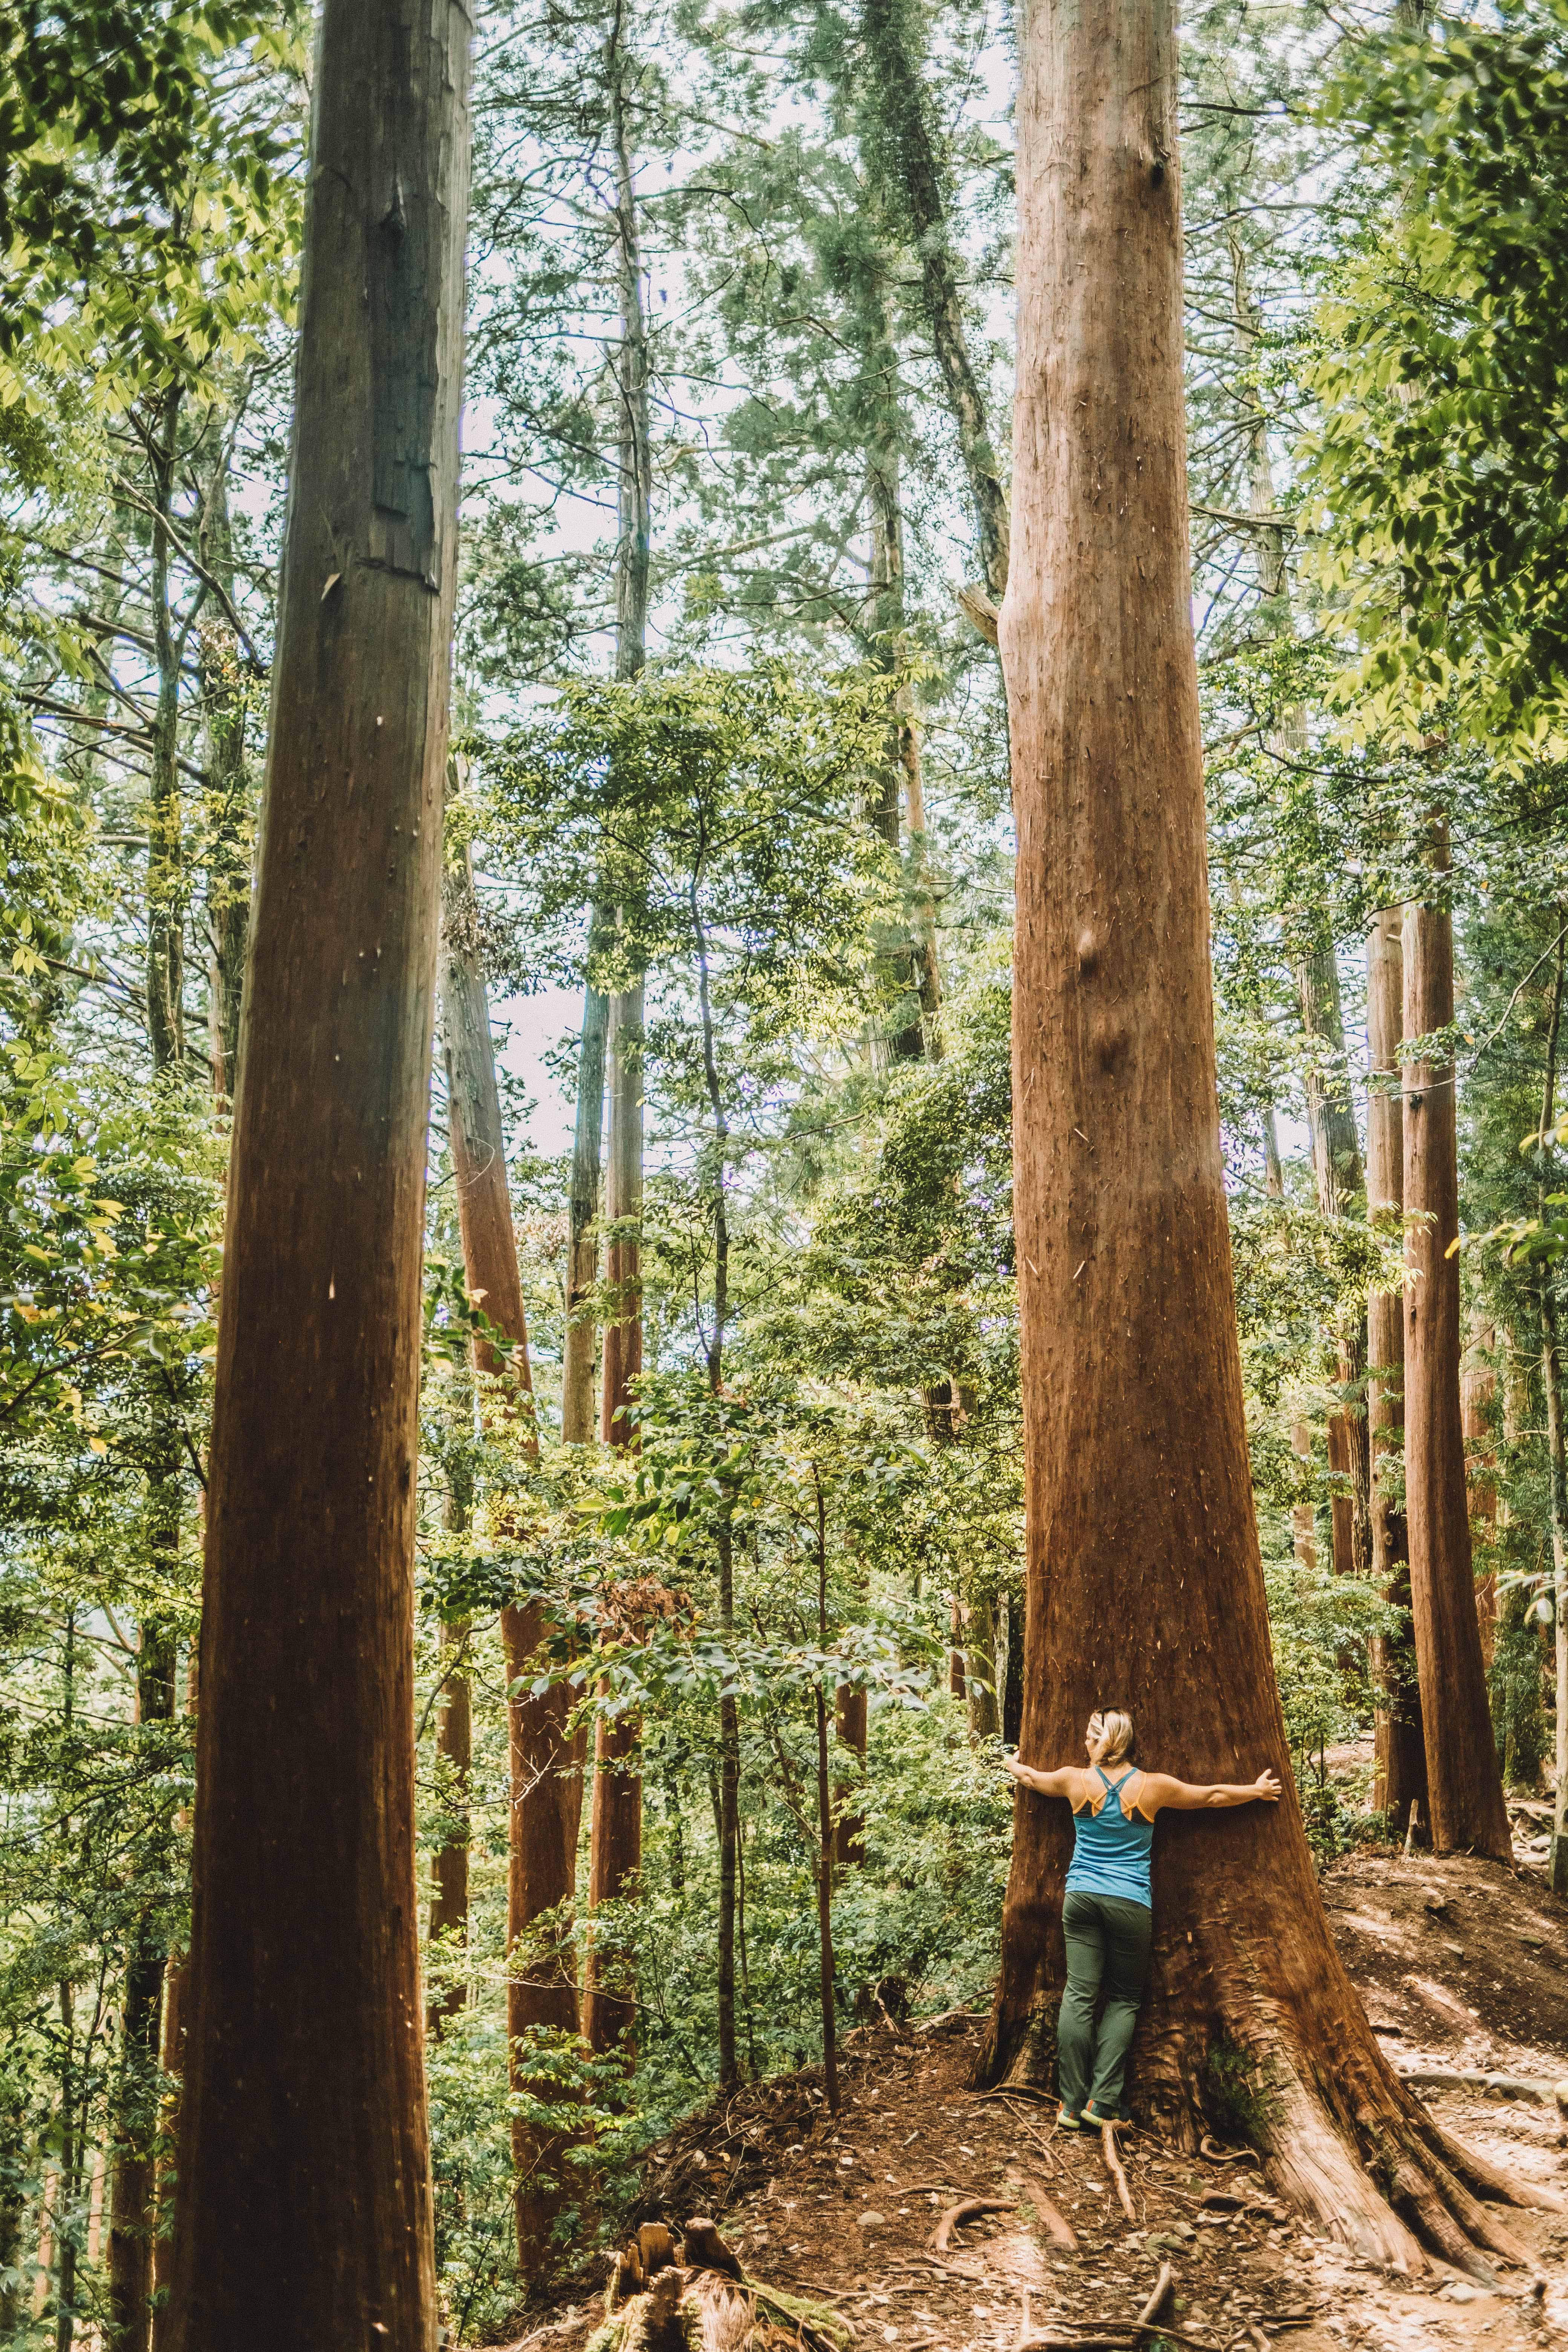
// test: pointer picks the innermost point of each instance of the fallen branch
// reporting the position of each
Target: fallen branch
(968, 2209)
(1114, 2167)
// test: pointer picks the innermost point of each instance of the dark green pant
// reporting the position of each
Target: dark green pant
(1108, 1940)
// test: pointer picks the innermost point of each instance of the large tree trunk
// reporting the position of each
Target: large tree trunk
(1145, 1584)
(1399, 1770)
(306, 2024)
(1468, 1813)
(541, 1844)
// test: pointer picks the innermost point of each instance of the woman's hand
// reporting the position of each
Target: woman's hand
(1267, 1787)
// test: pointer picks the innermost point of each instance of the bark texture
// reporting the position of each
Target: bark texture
(1468, 1813)
(609, 2012)
(306, 2027)
(1145, 1586)
(1399, 1770)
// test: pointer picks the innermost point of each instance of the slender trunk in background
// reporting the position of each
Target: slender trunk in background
(729, 1814)
(956, 1680)
(132, 2201)
(1013, 1689)
(455, 1746)
(307, 2018)
(623, 1324)
(1273, 1170)
(849, 1725)
(980, 1681)
(1303, 1517)
(581, 1347)
(1557, 1465)
(1141, 1544)
(905, 146)
(228, 815)
(1468, 1813)
(165, 861)
(615, 1870)
(1331, 1114)
(1478, 1402)
(914, 972)
(826, 1971)
(614, 1862)
(1399, 1766)
(172, 2061)
(542, 1990)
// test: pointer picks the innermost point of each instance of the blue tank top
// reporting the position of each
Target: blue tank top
(1109, 1852)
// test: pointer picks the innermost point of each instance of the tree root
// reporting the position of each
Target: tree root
(1055, 2222)
(968, 2209)
(653, 2304)
(1113, 2165)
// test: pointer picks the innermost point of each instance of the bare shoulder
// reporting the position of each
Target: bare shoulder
(1158, 1789)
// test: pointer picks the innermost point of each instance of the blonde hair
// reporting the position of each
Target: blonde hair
(1115, 1728)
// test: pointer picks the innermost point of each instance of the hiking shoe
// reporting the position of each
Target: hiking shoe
(1091, 2115)
(1067, 2121)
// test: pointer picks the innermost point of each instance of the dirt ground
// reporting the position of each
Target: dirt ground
(1463, 1966)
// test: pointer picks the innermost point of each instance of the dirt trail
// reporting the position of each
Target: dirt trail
(1463, 1965)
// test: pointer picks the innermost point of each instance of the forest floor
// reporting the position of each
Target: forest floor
(1463, 1967)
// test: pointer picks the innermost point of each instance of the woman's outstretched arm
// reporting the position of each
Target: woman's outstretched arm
(1062, 1783)
(1196, 1796)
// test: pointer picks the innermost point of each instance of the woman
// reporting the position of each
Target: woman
(1106, 1916)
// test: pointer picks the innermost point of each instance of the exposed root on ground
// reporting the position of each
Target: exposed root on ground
(1357, 2154)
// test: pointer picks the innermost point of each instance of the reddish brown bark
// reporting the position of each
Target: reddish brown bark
(609, 2011)
(1463, 1777)
(1477, 1400)
(449, 1863)
(850, 1835)
(1399, 1770)
(306, 2028)
(1145, 1583)
(541, 1847)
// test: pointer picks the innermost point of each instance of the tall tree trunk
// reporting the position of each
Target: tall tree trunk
(905, 150)
(1468, 1813)
(581, 1346)
(614, 1862)
(1013, 1689)
(1146, 1582)
(306, 2031)
(165, 883)
(1331, 1114)
(1478, 1402)
(849, 1727)
(623, 1327)
(454, 1746)
(132, 2204)
(541, 1845)
(1556, 1455)
(228, 808)
(980, 1681)
(1399, 1770)
(826, 1971)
